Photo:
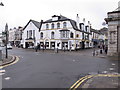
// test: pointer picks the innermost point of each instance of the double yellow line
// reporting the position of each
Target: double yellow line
(83, 79)
(16, 60)
(80, 81)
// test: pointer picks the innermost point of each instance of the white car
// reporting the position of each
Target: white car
(9, 47)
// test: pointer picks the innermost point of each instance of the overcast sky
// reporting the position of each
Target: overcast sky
(19, 12)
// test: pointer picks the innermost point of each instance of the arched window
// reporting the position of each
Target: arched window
(41, 35)
(58, 25)
(47, 26)
(64, 25)
(52, 35)
(52, 26)
(71, 35)
(77, 36)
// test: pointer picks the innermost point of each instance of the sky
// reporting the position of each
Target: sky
(18, 12)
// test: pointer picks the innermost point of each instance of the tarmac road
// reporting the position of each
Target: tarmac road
(52, 70)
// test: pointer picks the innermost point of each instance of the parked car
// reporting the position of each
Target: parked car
(9, 47)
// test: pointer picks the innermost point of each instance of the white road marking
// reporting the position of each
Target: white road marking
(111, 68)
(113, 64)
(2, 74)
(7, 78)
(104, 71)
(2, 71)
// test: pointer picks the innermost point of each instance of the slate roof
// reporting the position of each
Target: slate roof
(63, 18)
(95, 31)
(36, 23)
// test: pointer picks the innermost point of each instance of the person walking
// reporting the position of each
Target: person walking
(106, 49)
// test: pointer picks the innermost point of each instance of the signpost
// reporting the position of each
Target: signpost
(6, 42)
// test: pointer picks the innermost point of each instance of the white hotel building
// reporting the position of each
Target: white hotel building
(58, 32)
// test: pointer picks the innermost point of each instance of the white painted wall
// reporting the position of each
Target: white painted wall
(32, 27)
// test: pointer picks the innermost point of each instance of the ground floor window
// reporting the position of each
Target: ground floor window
(47, 44)
(64, 45)
(52, 45)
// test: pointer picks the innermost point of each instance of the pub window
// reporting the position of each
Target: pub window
(27, 34)
(52, 26)
(58, 25)
(77, 35)
(52, 35)
(47, 26)
(64, 25)
(71, 35)
(33, 33)
(30, 33)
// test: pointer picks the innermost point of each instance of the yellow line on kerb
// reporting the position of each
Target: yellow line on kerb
(82, 81)
(79, 82)
(17, 59)
(108, 75)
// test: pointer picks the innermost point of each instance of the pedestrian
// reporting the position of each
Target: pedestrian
(36, 48)
(106, 49)
(103, 46)
(94, 52)
(43, 48)
(100, 49)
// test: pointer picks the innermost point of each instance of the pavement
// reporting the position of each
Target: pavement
(6, 61)
(103, 81)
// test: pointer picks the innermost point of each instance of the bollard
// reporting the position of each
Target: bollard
(0, 54)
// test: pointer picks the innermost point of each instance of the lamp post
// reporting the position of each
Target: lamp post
(6, 33)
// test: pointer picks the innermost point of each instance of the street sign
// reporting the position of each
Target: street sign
(3, 33)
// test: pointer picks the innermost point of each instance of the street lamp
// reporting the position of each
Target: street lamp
(1, 4)
(6, 33)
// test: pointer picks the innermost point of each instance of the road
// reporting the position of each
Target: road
(52, 70)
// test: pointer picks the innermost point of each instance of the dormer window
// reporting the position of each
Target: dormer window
(52, 26)
(54, 18)
(47, 26)
(58, 25)
(64, 25)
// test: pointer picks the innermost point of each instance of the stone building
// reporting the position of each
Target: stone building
(113, 21)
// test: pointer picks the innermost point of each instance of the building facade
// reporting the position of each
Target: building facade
(30, 36)
(15, 36)
(58, 32)
(113, 21)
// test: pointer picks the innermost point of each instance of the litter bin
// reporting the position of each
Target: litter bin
(0, 54)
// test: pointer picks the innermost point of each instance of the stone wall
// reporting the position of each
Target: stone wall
(112, 40)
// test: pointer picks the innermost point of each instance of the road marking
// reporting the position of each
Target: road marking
(113, 64)
(80, 81)
(83, 79)
(17, 59)
(111, 69)
(2, 74)
(104, 71)
(2, 71)
(7, 78)
(77, 82)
